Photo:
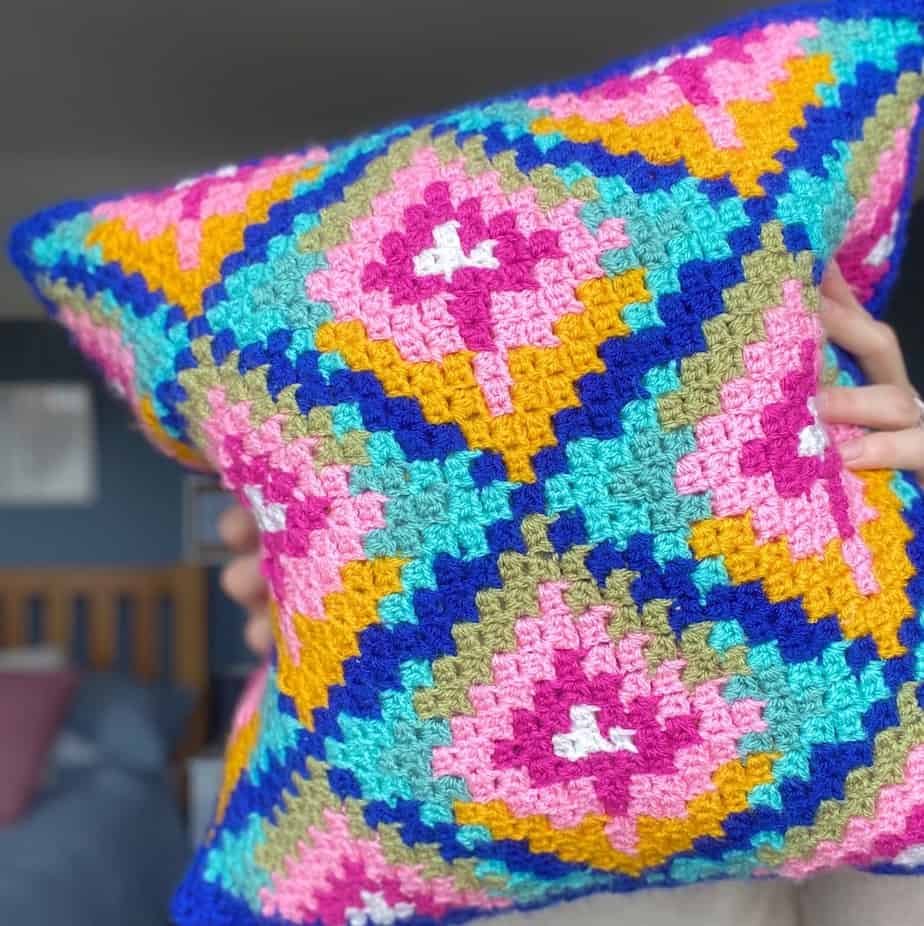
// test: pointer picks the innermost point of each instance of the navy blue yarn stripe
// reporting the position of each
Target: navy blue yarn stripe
(453, 600)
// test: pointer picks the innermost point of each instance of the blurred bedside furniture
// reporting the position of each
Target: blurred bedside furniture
(147, 623)
(204, 769)
(106, 832)
(203, 783)
(226, 686)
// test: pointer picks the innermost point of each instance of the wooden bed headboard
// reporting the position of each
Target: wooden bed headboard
(148, 622)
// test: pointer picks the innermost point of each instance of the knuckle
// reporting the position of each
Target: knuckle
(884, 449)
(883, 339)
(829, 401)
(842, 404)
(237, 577)
(845, 401)
(903, 404)
(227, 580)
(227, 526)
(234, 526)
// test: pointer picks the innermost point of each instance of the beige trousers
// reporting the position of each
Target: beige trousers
(846, 898)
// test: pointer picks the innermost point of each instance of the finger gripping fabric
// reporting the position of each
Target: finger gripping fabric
(571, 588)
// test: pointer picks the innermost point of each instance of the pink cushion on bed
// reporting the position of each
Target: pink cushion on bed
(32, 707)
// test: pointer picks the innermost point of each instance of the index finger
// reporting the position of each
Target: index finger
(238, 530)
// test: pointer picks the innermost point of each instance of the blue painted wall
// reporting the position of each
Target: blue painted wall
(137, 517)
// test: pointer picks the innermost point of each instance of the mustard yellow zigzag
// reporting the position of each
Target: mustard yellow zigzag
(825, 583)
(763, 128)
(330, 639)
(658, 840)
(543, 377)
(326, 644)
(157, 258)
(237, 758)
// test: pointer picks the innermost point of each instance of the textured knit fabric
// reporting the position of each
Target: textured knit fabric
(572, 591)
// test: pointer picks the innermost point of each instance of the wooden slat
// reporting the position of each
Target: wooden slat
(144, 609)
(58, 617)
(20, 602)
(59, 589)
(102, 627)
(190, 648)
(5, 619)
(189, 655)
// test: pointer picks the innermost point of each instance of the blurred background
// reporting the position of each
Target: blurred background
(106, 548)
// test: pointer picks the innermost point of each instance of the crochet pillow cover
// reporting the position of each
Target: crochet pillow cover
(571, 589)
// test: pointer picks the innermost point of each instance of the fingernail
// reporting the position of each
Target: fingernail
(822, 401)
(851, 450)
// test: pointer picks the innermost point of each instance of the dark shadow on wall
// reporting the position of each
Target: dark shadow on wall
(906, 307)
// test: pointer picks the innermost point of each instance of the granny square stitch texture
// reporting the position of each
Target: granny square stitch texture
(572, 591)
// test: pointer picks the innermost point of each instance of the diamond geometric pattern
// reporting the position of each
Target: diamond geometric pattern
(571, 588)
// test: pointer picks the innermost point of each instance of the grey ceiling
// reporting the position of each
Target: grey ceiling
(107, 95)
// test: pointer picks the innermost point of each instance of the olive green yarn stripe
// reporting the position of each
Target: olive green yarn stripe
(829, 373)
(893, 112)
(318, 423)
(702, 375)
(306, 810)
(550, 189)
(350, 449)
(703, 663)
(518, 597)
(494, 632)
(75, 299)
(336, 219)
(862, 786)
(63, 295)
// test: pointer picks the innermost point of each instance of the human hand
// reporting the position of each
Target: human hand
(242, 579)
(889, 405)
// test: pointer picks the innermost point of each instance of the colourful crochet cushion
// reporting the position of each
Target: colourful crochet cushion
(572, 591)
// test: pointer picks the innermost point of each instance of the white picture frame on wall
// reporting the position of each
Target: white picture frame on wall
(48, 451)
